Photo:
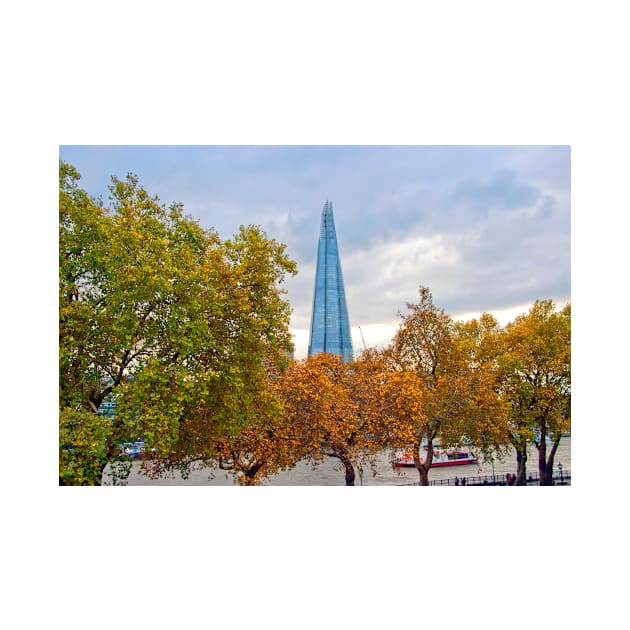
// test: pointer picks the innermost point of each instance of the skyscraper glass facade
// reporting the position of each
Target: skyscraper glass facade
(330, 326)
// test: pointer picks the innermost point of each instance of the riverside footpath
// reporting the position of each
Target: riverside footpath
(330, 473)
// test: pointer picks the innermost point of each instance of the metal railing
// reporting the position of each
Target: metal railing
(559, 479)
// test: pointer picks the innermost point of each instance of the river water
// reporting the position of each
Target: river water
(330, 472)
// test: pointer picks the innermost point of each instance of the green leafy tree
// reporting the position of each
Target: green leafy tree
(163, 315)
(264, 446)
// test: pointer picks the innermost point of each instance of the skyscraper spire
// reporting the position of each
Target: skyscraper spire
(330, 326)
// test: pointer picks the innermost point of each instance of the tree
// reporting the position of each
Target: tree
(163, 315)
(266, 445)
(536, 382)
(335, 409)
(483, 424)
(454, 373)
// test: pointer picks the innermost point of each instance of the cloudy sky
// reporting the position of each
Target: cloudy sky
(486, 228)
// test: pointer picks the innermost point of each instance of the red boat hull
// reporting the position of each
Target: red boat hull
(461, 462)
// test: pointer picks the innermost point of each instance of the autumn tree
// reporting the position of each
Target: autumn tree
(459, 398)
(484, 421)
(163, 315)
(263, 447)
(258, 451)
(536, 382)
(335, 410)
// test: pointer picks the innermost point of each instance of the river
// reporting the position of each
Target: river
(330, 473)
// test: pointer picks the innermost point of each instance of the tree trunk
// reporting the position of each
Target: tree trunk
(548, 477)
(349, 468)
(521, 467)
(544, 472)
(250, 474)
(423, 467)
(424, 475)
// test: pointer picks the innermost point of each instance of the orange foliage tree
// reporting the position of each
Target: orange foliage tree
(339, 410)
(453, 373)
(535, 368)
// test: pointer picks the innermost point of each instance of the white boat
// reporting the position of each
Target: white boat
(456, 456)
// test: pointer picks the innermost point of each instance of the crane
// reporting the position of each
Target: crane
(362, 338)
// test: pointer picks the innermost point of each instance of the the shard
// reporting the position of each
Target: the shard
(330, 326)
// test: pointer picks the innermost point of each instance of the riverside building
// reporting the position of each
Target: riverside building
(330, 326)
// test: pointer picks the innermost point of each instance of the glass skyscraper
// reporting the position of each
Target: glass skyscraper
(330, 326)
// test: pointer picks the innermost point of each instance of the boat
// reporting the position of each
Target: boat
(135, 449)
(456, 456)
